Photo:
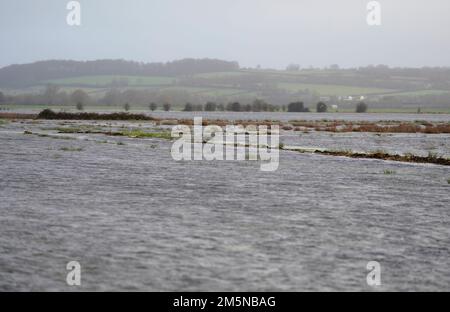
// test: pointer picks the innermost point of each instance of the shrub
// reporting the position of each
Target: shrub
(188, 107)
(297, 107)
(210, 107)
(321, 107)
(234, 107)
(361, 107)
(198, 108)
(127, 107)
(166, 107)
(153, 106)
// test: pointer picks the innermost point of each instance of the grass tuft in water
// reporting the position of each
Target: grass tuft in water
(71, 149)
(139, 134)
(389, 172)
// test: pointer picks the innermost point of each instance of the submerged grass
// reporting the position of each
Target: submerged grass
(83, 130)
(431, 159)
(139, 134)
(134, 133)
(71, 149)
(373, 127)
(389, 172)
(384, 156)
(44, 135)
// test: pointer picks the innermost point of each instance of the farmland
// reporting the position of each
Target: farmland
(198, 81)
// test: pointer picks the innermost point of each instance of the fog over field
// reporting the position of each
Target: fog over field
(413, 33)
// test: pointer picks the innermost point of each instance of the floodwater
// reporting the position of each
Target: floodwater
(284, 117)
(135, 219)
(279, 116)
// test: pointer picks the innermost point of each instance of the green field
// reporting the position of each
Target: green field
(420, 92)
(275, 86)
(328, 90)
(102, 81)
(223, 83)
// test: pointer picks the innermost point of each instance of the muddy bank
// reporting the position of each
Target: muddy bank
(430, 159)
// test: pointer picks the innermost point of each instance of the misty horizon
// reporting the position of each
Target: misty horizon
(324, 67)
(255, 33)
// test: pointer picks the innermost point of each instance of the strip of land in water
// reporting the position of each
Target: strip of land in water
(336, 126)
(430, 159)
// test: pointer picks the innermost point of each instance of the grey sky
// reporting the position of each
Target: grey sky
(272, 33)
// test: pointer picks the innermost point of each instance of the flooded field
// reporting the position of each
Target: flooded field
(280, 116)
(136, 219)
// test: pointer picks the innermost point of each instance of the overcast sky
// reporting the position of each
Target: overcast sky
(272, 33)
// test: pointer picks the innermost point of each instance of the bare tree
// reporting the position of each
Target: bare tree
(50, 94)
(79, 96)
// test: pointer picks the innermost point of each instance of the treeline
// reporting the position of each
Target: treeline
(30, 74)
(126, 99)
(54, 95)
(256, 106)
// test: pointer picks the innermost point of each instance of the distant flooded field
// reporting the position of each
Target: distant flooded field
(279, 116)
(136, 219)
(304, 116)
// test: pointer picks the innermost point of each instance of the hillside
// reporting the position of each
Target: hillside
(31, 74)
(198, 81)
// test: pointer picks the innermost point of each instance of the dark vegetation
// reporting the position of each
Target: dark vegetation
(51, 115)
(430, 159)
(321, 107)
(297, 107)
(361, 107)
